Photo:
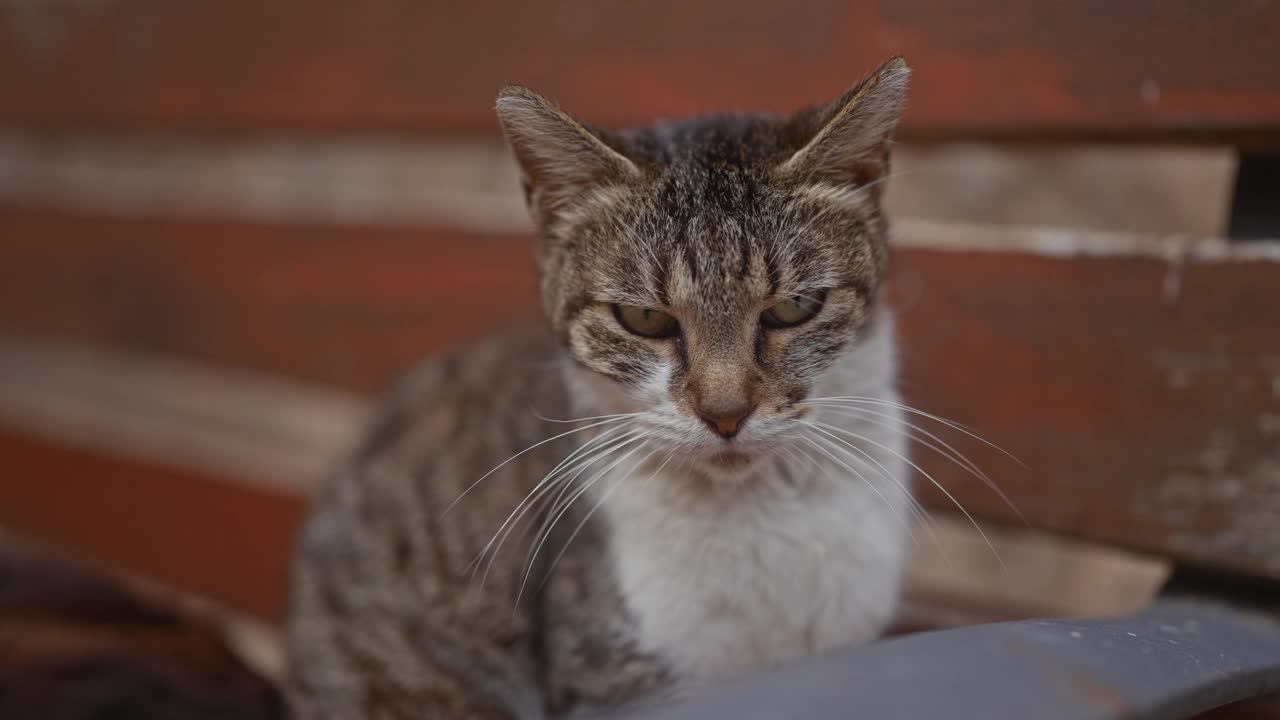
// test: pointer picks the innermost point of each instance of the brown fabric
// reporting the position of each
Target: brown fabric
(75, 646)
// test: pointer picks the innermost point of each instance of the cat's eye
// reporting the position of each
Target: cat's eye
(646, 322)
(793, 310)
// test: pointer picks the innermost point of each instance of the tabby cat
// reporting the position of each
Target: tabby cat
(699, 472)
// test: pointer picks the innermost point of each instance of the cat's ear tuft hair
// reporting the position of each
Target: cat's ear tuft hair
(558, 156)
(848, 139)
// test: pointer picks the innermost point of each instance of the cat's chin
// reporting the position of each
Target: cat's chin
(730, 461)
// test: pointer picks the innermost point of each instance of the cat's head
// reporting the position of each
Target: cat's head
(706, 272)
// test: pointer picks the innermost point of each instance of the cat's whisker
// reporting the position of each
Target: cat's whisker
(789, 454)
(847, 449)
(568, 504)
(804, 454)
(587, 454)
(606, 436)
(869, 458)
(552, 500)
(869, 484)
(538, 444)
(813, 459)
(549, 504)
(560, 505)
(946, 450)
(550, 478)
(856, 400)
(684, 458)
(918, 512)
(544, 418)
(917, 468)
(604, 498)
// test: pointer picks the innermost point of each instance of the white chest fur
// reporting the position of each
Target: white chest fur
(773, 568)
(762, 579)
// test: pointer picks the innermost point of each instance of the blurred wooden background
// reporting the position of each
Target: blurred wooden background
(224, 227)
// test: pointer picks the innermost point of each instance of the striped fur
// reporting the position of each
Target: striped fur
(677, 557)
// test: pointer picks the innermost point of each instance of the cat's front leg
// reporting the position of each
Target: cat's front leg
(361, 650)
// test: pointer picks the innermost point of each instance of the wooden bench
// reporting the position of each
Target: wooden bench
(1137, 377)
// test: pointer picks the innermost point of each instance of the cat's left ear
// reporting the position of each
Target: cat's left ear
(848, 139)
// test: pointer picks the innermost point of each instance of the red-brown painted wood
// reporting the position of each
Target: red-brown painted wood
(1145, 69)
(189, 529)
(1143, 395)
(330, 305)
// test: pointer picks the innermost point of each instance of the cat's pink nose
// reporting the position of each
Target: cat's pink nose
(726, 419)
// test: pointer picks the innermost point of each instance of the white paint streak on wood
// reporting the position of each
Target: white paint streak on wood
(1038, 575)
(261, 430)
(1120, 188)
(358, 182)
(1071, 243)
(1226, 500)
(1249, 496)
(468, 186)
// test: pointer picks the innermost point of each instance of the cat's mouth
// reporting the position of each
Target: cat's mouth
(730, 459)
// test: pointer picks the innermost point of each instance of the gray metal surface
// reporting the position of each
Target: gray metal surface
(1172, 661)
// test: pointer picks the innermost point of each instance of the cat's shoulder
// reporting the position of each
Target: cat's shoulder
(477, 386)
(500, 362)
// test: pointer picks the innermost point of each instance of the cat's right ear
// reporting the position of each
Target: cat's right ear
(559, 157)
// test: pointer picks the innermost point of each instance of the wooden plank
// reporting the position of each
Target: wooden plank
(72, 400)
(348, 307)
(227, 424)
(172, 472)
(1150, 69)
(1143, 395)
(1138, 379)
(217, 539)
